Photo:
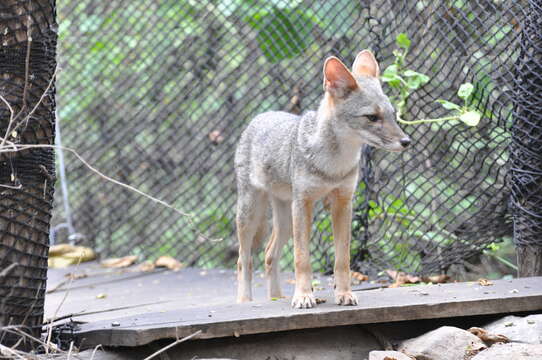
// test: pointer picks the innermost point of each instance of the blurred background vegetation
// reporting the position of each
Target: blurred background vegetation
(155, 93)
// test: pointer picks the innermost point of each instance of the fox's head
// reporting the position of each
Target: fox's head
(356, 101)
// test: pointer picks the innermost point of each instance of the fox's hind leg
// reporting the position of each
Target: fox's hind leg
(251, 206)
(282, 231)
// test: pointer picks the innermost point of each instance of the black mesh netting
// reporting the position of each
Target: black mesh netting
(28, 34)
(156, 94)
(526, 145)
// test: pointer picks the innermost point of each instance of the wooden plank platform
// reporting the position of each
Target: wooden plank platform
(98, 293)
(139, 308)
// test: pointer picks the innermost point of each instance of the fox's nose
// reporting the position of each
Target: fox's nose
(405, 142)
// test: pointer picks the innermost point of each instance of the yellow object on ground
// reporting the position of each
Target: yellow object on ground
(63, 255)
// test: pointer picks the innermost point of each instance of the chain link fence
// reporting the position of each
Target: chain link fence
(156, 94)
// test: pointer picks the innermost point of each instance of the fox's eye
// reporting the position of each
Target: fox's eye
(372, 118)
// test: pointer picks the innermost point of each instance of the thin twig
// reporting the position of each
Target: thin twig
(27, 117)
(190, 217)
(4, 349)
(96, 171)
(94, 351)
(420, 121)
(178, 341)
(8, 129)
(18, 187)
(17, 330)
(7, 270)
(70, 350)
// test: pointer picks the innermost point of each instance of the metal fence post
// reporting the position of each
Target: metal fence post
(28, 36)
(526, 145)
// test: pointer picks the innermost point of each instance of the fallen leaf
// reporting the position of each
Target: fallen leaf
(60, 249)
(63, 255)
(119, 262)
(320, 301)
(290, 281)
(401, 278)
(146, 266)
(530, 322)
(101, 296)
(168, 262)
(274, 298)
(508, 324)
(487, 337)
(484, 282)
(358, 277)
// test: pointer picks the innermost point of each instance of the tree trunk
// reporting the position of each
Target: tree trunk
(526, 145)
(28, 34)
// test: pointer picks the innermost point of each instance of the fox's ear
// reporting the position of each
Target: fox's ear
(338, 80)
(366, 64)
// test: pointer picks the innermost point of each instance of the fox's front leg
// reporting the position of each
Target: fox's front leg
(302, 219)
(341, 216)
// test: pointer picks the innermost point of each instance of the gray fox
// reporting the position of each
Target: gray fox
(292, 161)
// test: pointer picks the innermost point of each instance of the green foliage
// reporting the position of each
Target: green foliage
(404, 82)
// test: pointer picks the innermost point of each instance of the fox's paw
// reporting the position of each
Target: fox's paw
(346, 298)
(303, 301)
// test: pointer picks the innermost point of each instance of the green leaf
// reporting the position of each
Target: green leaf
(282, 33)
(471, 118)
(410, 73)
(393, 80)
(403, 41)
(415, 79)
(448, 104)
(465, 90)
(390, 70)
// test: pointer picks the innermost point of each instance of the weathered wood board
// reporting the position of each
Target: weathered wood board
(376, 306)
(101, 294)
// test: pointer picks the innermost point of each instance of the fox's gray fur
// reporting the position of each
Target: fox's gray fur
(292, 161)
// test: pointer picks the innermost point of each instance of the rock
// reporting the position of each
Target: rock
(388, 355)
(444, 343)
(512, 351)
(526, 329)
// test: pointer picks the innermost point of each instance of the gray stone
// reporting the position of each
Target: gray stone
(512, 351)
(526, 329)
(444, 343)
(388, 355)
